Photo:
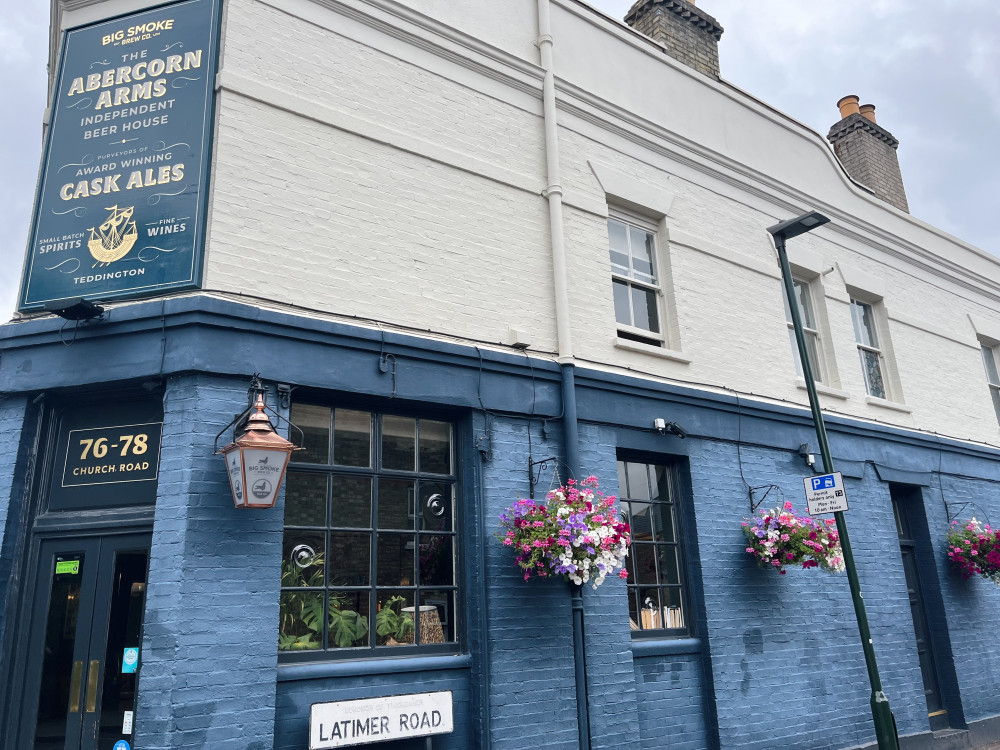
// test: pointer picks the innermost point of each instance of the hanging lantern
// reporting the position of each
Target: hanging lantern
(256, 461)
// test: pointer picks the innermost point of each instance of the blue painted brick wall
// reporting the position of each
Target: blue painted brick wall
(970, 606)
(14, 448)
(209, 648)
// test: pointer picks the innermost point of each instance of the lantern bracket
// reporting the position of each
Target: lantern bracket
(257, 388)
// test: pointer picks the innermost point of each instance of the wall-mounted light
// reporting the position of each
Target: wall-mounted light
(664, 427)
(258, 457)
(807, 455)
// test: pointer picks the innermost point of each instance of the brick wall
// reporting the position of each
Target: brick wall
(15, 448)
(688, 34)
(209, 650)
(868, 153)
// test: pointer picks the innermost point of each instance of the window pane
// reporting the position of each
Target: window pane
(435, 447)
(989, 360)
(623, 310)
(347, 625)
(873, 373)
(436, 560)
(395, 560)
(314, 421)
(645, 563)
(864, 324)
(443, 604)
(669, 566)
(303, 558)
(352, 438)
(399, 441)
(618, 240)
(804, 300)
(644, 309)
(812, 347)
(305, 499)
(435, 509)
(642, 255)
(664, 522)
(301, 621)
(638, 481)
(395, 622)
(352, 502)
(396, 506)
(350, 558)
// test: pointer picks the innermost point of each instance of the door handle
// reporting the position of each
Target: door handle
(92, 675)
(74, 687)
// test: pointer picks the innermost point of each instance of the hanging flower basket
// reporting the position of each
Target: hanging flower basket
(974, 549)
(777, 538)
(576, 534)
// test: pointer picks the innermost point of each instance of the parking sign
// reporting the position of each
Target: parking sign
(825, 494)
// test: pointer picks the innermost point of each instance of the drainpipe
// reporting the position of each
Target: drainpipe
(571, 432)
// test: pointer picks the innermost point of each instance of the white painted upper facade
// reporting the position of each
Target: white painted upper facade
(386, 162)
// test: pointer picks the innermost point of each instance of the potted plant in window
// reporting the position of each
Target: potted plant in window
(393, 625)
(777, 538)
(974, 549)
(301, 612)
(577, 534)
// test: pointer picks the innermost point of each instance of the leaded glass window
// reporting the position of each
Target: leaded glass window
(370, 542)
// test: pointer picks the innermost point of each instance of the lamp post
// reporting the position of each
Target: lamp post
(885, 724)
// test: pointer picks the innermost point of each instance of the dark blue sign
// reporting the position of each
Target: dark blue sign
(120, 210)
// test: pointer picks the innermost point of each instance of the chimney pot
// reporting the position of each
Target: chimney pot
(848, 106)
(867, 111)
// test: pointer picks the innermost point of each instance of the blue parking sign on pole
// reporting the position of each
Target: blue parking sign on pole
(825, 493)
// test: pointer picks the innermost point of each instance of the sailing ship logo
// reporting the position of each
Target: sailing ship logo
(114, 238)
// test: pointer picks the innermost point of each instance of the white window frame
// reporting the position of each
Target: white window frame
(877, 344)
(992, 365)
(811, 329)
(629, 278)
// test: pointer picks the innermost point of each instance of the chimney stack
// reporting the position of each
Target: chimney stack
(688, 35)
(868, 151)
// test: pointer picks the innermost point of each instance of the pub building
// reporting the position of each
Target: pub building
(316, 290)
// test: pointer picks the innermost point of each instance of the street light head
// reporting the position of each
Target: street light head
(799, 225)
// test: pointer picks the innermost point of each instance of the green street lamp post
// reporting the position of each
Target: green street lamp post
(885, 724)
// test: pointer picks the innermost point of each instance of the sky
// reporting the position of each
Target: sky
(930, 67)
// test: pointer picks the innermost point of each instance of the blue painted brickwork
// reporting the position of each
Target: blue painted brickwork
(786, 661)
(296, 696)
(783, 645)
(670, 705)
(971, 607)
(531, 645)
(209, 650)
(614, 716)
(14, 448)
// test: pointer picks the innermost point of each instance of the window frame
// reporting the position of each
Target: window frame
(630, 331)
(818, 362)
(877, 344)
(636, 590)
(989, 354)
(376, 472)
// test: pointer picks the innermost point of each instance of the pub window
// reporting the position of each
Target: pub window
(657, 596)
(369, 552)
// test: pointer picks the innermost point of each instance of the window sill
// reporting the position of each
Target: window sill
(824, 390)
(886, 404)
(657, 351)
(665, 647)
(369, 665)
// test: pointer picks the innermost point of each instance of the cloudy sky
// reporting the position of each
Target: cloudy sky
(931, 68)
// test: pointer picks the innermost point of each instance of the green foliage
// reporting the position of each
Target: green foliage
(301, 612)
(390, 623)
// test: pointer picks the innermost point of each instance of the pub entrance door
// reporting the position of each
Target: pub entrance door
(85, 633)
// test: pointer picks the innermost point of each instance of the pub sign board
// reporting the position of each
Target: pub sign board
(121, 202)
(107, 455)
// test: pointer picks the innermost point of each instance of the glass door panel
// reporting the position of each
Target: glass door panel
(82, 657)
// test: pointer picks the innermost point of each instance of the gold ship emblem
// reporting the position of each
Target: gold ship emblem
(114, 238)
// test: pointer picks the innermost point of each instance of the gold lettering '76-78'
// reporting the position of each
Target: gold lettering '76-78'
(99, 448)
